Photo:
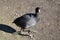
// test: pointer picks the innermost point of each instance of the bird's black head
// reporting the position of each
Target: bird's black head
(37, 10)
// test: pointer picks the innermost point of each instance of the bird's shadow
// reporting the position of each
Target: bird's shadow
(7, 28)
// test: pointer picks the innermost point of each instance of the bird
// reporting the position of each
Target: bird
(28, 20)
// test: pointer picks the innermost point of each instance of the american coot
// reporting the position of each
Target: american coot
(27, 20)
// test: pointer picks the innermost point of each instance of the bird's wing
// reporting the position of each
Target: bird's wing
(23, 18)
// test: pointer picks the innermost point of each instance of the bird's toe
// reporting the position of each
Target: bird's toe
(31, 37)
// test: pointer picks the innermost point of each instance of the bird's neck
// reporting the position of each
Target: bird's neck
(36, 14)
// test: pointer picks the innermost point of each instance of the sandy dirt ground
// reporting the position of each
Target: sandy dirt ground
(48, 27)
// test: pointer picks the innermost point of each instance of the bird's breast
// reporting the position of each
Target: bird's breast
(31, 22)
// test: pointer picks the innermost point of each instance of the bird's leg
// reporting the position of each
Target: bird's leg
(23, 32)
(32, 31)
(26, 30)
(29, 34)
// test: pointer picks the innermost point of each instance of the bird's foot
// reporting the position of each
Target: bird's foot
(27, 34)
(31, 37)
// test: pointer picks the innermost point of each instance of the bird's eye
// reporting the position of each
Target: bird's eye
(39, 10)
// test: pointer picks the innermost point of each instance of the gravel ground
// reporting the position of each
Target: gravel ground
(48, 27)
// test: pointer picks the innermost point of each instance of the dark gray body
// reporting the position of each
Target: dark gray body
(26, 21)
